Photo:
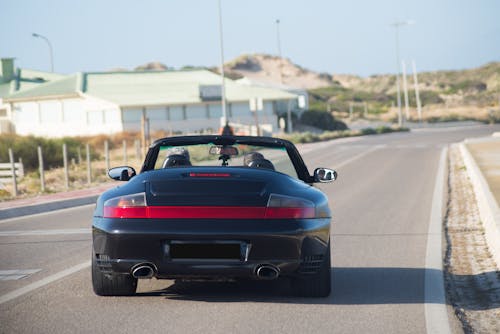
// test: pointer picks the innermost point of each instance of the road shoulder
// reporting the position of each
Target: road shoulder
(472, 279)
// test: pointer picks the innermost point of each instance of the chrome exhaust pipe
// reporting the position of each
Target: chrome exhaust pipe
(267, 272)
(144, 270)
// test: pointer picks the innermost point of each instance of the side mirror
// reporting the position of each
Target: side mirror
(324, 175)
(122, 173)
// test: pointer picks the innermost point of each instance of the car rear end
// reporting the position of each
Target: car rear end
(212, 223)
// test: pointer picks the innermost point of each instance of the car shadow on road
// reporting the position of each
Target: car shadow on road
(350, 286)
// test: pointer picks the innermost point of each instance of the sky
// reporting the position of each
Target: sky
(330, 36)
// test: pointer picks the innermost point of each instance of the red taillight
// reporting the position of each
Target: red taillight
(128, 206)
(279, 207)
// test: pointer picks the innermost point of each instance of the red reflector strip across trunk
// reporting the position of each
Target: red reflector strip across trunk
(208, 212)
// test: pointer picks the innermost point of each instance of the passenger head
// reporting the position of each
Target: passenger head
(257, 160)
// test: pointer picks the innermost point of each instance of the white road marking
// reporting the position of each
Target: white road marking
(12, 275)
(21, 218)
(358, 156)
(45, 232)
(47, 280)
(436, 315)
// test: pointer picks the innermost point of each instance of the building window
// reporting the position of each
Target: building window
(207, 111)
(184, 114)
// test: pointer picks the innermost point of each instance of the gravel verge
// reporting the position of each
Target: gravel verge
(471, 276)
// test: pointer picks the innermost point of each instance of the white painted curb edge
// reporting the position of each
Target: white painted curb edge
(488, 207)
(436, 314)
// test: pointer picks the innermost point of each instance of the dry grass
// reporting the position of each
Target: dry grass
(30, 184)
(439, 113)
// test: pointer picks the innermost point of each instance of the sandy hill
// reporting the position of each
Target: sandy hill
(267, 69)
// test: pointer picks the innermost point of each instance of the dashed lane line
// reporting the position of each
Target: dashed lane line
(22, 233)
(358, 156)
(27, 217)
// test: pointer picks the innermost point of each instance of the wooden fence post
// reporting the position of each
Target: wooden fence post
(124, 152)
(65, 161)
(79, 152)
(41, 169)
(106, 155)
(14, 179)
(89, 167)
(138, 151)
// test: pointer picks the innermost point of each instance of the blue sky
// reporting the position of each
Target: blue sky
(327, 36)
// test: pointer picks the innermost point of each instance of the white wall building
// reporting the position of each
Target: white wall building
(110, 102)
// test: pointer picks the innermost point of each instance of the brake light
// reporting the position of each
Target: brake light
(128, 206)
(278, 207)
(209, 175)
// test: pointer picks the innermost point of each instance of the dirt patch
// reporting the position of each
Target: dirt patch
(471, 276)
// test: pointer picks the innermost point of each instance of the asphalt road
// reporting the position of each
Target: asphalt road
(382, 205)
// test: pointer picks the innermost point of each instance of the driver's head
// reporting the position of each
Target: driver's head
(252, 156)
(177, 156)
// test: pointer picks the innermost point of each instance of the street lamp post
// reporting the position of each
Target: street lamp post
(50, 49)
(223, 87)
(397, 25)
(279, 49)
(289, 110)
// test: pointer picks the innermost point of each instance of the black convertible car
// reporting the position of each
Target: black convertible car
(214, 207)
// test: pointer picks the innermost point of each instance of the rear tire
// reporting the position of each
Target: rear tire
(315, 285)
(111, 284)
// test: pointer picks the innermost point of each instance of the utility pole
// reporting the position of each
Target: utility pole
(417, 95)
(279, 49)
(223, 87)
(396, 25)
(405, 90)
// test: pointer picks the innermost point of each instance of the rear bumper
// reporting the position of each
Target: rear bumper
(293, 246)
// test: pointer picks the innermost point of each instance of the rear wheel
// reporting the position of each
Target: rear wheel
(315, 285)
(109, 284)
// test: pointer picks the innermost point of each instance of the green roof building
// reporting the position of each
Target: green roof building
(186, 101)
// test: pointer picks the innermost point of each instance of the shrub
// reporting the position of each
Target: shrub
(368, 131)
(322, 120)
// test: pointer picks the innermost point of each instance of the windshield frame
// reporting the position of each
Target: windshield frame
(294, 155)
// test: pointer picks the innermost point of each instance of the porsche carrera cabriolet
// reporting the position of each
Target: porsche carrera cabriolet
(214, 207)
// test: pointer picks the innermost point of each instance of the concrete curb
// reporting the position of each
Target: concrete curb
(46, 207)
(488, 207)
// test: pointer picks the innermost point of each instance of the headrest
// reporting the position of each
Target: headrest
(261, 163)
(176, 160)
